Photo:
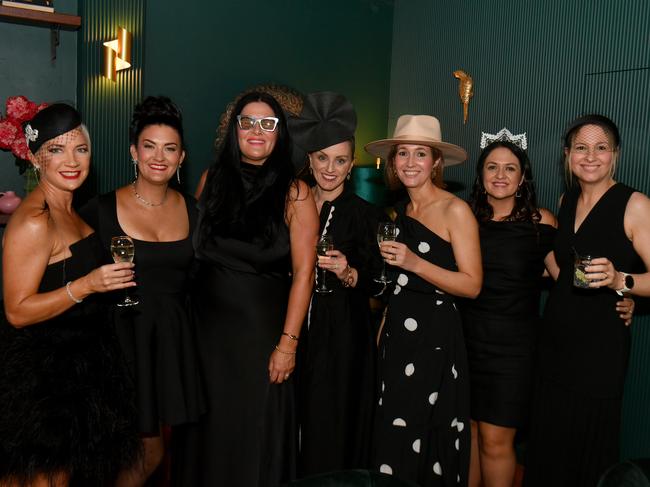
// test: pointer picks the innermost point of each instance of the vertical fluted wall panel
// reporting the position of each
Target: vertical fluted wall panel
(106, 105)
(536, 66)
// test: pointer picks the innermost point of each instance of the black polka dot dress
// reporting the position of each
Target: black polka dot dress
(422, 431)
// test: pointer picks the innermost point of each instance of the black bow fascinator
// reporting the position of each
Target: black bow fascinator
(326, 119)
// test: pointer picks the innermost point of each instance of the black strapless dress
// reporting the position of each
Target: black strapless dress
(422, 431)
(66, 403)
(155, 335)
(501, 323)
(239, 302)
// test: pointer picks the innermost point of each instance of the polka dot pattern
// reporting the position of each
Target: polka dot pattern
(437, 469)
(402, 280)
(410, 324)
(386, 469)
(424, 247)
(433, 397)
(399, 422)
(409, 370)
(416, 446)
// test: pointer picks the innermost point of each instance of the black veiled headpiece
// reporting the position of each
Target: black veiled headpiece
(49, 123)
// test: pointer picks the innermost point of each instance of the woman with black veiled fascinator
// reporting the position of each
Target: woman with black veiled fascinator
(67, 415)
(337, 350)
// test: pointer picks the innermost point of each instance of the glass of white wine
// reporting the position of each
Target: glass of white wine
(123, 250)
(324, 244)
(386, 232)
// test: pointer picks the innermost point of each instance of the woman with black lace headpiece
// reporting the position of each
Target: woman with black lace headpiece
(66, 408)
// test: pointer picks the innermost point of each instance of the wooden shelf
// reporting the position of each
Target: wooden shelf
(36, 17)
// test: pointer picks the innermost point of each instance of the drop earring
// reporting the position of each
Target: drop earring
(178, 174)
(135, 169)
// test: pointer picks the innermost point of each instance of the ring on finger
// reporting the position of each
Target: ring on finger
(286, 376)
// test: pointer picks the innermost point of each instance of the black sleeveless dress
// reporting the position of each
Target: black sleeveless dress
(422, 431)
(66, 404)
(502, 322)
(337, 350)
(156, 336)
(583, 353)
(239, 300)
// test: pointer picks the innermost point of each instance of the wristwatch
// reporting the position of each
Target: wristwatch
(628, 284)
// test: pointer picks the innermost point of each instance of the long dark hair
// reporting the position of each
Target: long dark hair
(525, 209)
(226, 210)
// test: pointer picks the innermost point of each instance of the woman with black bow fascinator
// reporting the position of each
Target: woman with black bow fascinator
(337, 350)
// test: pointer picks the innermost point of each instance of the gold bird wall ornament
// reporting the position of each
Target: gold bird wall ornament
(465, 91)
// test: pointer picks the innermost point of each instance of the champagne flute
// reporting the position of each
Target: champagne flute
(324, 244)
(123, 250)
(386, 232)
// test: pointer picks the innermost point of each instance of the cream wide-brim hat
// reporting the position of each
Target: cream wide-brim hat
(418, 129)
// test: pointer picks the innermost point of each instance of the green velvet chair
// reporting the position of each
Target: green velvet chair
(351, 478)
(630, 473)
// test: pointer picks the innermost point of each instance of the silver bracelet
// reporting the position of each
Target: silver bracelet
(67, 289)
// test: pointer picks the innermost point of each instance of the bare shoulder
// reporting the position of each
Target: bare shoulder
(636, 211)
(298, 191)
(457, 208)
(638, 202)
(30, 226)
(548, 218)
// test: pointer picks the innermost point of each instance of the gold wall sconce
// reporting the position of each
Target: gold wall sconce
(117, 54)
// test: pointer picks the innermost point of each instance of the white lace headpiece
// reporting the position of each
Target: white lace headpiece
(504, 135)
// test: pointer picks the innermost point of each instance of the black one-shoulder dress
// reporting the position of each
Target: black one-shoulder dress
(422, 431)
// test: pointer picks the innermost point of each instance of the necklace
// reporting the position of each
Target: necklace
(148, 203)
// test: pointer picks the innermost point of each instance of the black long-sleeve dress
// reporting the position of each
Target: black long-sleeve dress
(583, 353)
(337, 347)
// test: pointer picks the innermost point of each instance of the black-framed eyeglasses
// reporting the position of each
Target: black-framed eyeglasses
(268, 124)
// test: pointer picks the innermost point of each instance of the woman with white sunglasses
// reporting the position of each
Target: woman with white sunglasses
(254, 244)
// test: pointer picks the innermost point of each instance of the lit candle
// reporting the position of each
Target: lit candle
(378, 161)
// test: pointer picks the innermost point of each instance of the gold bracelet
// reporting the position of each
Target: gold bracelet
(295, 338)
(282, 351)
(349, 278)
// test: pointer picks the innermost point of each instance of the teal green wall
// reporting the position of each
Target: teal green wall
(106, 105)
(205, 53)
(536, 65)
(26, 69)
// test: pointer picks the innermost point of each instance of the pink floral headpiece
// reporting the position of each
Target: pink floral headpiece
(19, 110)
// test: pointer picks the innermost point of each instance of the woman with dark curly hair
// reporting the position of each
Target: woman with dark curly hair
(516, 237)
(155, 334)
(255, 249)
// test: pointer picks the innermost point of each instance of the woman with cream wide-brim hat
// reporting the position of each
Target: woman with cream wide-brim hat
(422, 429)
